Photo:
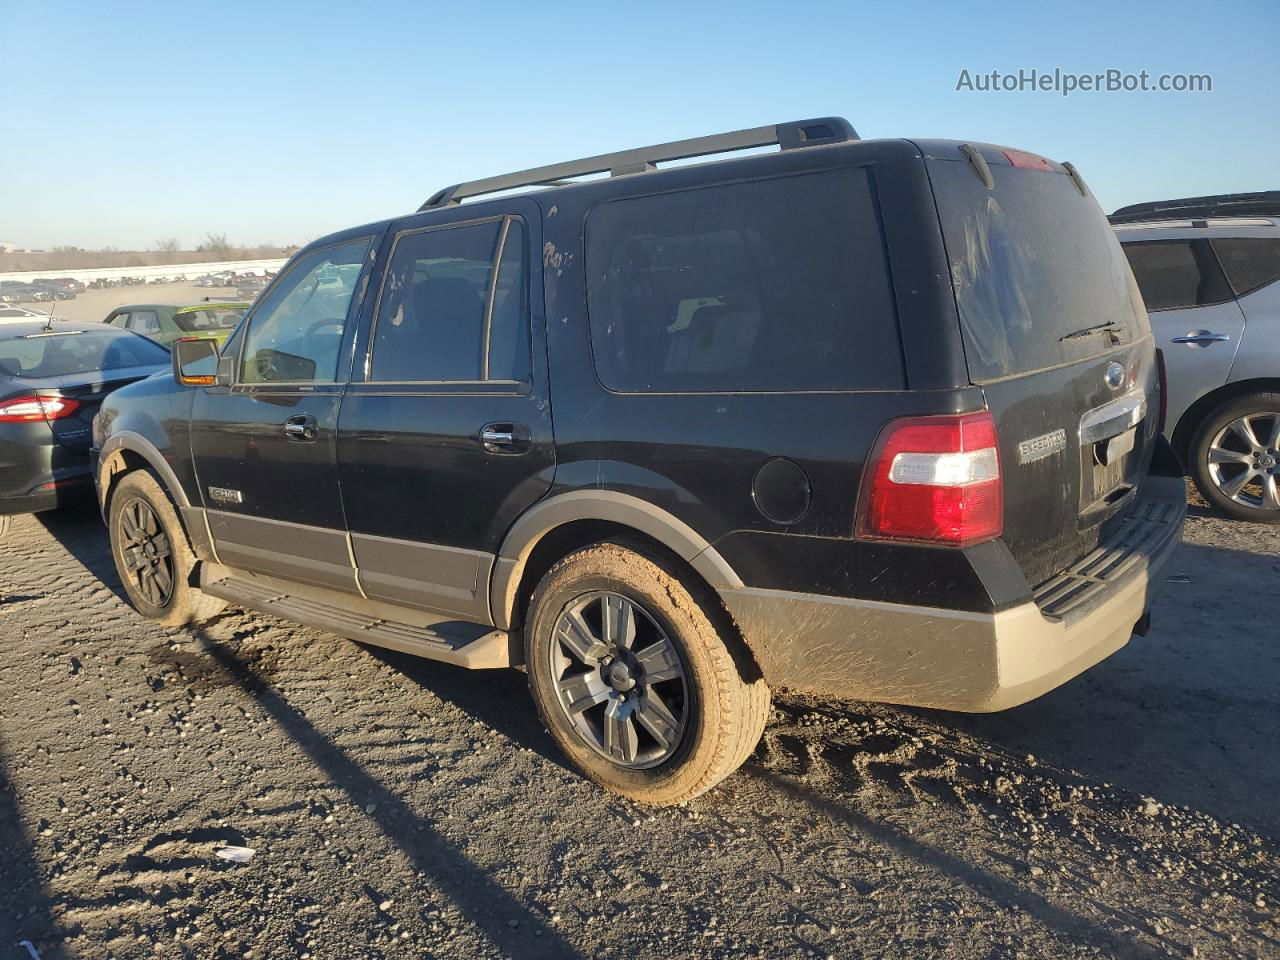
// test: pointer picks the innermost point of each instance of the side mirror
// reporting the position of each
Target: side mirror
(195, 361)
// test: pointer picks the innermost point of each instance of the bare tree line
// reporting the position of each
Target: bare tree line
(167, 250)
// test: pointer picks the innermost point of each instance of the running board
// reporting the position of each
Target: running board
(463, 644)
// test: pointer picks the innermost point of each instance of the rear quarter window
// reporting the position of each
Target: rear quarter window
(1251, 263)
(776, 285)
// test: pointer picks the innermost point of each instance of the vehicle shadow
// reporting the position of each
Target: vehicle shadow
(484, 902)
(25, 903)
(497, 698)
(79, 528)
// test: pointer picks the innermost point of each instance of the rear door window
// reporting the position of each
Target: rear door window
(1176, 274)
(1251, 263)
(765, 286)
(1033, 261)
(454, 306)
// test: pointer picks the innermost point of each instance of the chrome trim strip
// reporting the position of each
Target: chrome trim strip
(1113, 418)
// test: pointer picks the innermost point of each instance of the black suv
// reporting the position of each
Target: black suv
(863, 419)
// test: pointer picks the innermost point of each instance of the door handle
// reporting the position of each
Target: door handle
(1203, 338)
(301, 428)
(505, 437)
(499, 438)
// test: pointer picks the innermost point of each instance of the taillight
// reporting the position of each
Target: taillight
(934, 480)
(33, 409)
(1028, 161)
(1162, 378)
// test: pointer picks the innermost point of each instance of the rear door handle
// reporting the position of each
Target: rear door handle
(1203, 339)
(505, 437)
(301, 428)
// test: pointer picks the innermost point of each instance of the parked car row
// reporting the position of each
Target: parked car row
(40, 290)
(863, 419)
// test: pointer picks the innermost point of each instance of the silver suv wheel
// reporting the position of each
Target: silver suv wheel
(620, 680)
(1244, 460)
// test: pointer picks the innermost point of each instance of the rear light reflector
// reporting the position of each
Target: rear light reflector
(1028, 161)
(34, 409)
(1162, 378)
(934, 480)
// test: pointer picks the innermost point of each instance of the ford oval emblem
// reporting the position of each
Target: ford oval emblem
(1114, 375)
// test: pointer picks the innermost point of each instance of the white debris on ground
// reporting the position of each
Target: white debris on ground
(408, 809)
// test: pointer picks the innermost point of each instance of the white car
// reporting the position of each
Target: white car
(12, 314)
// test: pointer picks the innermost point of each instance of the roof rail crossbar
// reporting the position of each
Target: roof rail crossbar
(789, 136)
(1264, 203)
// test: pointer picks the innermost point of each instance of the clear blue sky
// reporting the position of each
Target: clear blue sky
(127, 122)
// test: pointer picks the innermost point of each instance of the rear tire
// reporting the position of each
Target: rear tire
(1235, 458)
(152, 555)
(674, 705)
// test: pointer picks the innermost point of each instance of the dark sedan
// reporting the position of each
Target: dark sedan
(53, 378)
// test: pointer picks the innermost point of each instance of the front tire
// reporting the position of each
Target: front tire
(637, 675)
(1236, 458)
(152, 555)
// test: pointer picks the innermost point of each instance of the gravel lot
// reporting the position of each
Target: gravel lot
(400, 808)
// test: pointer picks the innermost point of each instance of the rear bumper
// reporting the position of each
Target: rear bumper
(957, 660)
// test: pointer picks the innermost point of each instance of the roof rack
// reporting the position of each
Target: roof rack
(789, 136)
(1263, 203)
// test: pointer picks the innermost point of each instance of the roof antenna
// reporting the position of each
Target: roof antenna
(48, 323)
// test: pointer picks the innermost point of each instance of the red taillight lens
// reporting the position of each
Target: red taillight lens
(1162, 378)
(935, 480)
(33, 409)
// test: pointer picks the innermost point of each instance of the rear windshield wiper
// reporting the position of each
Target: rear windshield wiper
(1111, 328)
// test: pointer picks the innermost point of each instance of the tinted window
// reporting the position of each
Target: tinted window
(208, 319)
(62, 354)
(1032, 261)
(774, 285)
(1174, 274)
(295, 333)
(145, 322)
(434, 321)
(1250, 262)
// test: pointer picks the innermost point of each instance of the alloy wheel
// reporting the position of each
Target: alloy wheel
(1244, 460)
(620, 680)
(148, 556)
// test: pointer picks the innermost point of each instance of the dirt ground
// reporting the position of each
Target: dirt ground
(400, 808)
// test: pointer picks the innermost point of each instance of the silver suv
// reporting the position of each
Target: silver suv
(1208, 268)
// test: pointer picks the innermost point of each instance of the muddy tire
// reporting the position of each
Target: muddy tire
(1235, 458)
(638, 675)
(152, 555)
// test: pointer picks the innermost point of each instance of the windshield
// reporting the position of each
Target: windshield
(209, 319)
(66, 353)
(1034, 264)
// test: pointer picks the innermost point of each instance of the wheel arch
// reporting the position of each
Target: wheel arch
(1204, 406)
(128, 451)
(563, 523)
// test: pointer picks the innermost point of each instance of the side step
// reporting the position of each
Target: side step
(458, 642)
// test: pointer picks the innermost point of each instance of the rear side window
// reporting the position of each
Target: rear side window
(1033, 262)
(772, 285)
(1175, 274)
(1250, 262)
(454, 306)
